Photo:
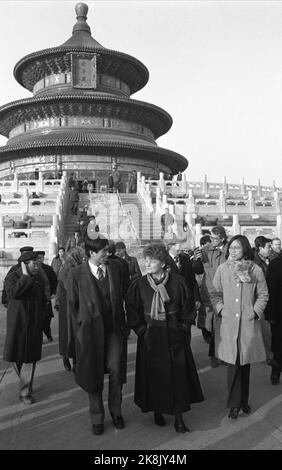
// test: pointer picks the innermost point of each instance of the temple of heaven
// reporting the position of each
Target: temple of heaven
(81, 117)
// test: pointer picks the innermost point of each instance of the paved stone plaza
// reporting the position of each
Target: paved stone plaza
(59, 417)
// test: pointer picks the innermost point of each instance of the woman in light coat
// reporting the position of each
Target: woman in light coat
(239, 298)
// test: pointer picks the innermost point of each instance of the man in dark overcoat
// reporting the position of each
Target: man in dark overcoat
(133, 266)
(180, 263)
(95, 300)
(273, 314)
(51, 281)
(25, 315)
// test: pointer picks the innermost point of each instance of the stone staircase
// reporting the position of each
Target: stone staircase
(147, 224)
(71, 219)
(120, 217)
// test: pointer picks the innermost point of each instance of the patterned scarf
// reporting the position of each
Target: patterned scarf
(241, 269)
(160, 296)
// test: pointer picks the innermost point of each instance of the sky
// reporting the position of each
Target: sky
(215, 67)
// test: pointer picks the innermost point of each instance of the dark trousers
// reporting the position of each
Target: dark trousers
(47, 321)
(212, 344)
(112, 363)
(238, 384)
(276, 344)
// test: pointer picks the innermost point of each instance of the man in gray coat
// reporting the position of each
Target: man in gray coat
(95, 300)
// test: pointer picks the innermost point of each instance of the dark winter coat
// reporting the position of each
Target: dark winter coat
(66, 334)
(186, 271)
(25, 316)
(84, 304)
(133, 266)
(273, 311)
(166, 377)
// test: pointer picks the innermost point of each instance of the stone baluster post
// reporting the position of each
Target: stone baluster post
(205, 185)
(251, 202)
(277, 201)
(2, 232)
(236, 226)
(243, 187)
(40, 182)
(224, 186)
(158, 201)
(198, 234)
(259, 189)
(279, 226)
(183, 183)
(222, 200)
(16, 182)
(162, 182)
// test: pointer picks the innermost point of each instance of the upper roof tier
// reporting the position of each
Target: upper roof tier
(36, 65)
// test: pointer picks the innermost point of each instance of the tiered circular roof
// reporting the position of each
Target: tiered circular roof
(74, 102)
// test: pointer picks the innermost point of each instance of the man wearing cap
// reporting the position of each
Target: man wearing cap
(52, 284)
(24, 249)
(25, 315)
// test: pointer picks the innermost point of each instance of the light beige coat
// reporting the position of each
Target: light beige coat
(238, 305)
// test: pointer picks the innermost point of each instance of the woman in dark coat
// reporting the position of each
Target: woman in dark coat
(158, 311)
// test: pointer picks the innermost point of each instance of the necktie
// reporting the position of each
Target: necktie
(177, 262)
(100, 273)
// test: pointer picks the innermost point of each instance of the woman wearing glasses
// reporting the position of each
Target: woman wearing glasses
(240, 298)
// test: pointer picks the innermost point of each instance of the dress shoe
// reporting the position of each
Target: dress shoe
(97, 429)
(27, 399)
(67, 364)
(246, 409)
(233, 413)
(180, 426)
(159, 419)
(118, 421)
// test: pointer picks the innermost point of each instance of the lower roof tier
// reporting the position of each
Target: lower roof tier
(77, 143)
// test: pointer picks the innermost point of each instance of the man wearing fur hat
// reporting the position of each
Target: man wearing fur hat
(25, 316)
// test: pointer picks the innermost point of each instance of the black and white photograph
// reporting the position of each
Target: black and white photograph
(140, 229)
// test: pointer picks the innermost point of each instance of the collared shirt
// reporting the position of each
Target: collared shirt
(94, 269)
(176, 260)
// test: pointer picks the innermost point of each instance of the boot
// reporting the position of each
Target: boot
(179, 424)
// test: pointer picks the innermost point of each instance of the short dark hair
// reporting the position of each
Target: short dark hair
(247, 249)
(261, 241)
(205, 239)
(156, 251)
(120, 245)
(61, 248)
(112, 247)
(95, 245)
(219, 231)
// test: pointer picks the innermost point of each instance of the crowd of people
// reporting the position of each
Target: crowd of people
(228, 289)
